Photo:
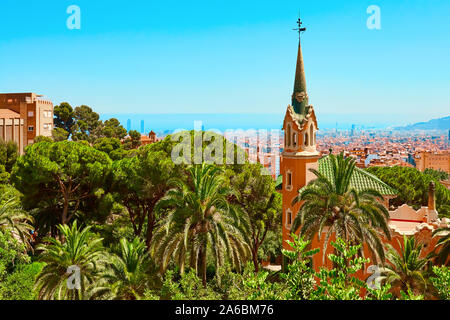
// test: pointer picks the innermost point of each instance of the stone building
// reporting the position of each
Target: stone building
(23, 117)
(11, 127)
(433, 160)
(150, 139)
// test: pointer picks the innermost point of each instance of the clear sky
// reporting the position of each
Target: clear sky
(230, 56)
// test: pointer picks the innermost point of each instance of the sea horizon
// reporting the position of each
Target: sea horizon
(168, 122)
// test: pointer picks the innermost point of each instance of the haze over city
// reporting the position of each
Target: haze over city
(232, 57)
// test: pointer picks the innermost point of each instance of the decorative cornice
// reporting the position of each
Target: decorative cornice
(299, 119)
(303, 155)
(419, 228)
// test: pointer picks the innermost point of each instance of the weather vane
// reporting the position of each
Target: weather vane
(299, 29)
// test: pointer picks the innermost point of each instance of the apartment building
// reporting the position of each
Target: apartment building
(23, 117)
(433, 160)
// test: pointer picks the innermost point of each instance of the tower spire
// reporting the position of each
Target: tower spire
(300, 96)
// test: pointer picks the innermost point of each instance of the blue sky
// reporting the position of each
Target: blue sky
(230, 56)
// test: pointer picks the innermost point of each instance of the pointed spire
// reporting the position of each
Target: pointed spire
(300, 96)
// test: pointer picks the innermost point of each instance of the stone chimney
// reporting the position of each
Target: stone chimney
(432, 196)
(432, 216)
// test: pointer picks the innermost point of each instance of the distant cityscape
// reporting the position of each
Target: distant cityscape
(390, 148)
(408, 148)
(399, 146)
(163, 124)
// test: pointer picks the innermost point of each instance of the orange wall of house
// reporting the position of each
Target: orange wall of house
(300, 177)
(424, 237)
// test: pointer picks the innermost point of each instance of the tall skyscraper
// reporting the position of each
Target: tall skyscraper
(128, 125)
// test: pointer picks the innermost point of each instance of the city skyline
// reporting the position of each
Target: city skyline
(168, 122)
(228, 58)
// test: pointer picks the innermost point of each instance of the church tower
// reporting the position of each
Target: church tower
(299, 152)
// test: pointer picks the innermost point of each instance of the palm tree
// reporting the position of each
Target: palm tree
(443, 245)
(81, 251)
(13, 217)
(405, 269)
(201, 219)
(331, 203)
(128, 273)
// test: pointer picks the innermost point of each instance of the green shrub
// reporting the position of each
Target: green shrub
(251, 285)
(340, 282)
(300, 277)
(19, 285)
(442, 281)
(188, 287)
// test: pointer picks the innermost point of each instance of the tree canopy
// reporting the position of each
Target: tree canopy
(83, 123)
(9, 152)
(256, 194)
(413, 187)
(62, 180)
(139, 182)
(172, 221)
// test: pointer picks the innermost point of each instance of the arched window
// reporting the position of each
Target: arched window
(311, 134)
(289, 135)
(288, 219)
(306, 139)
(294, 139)
(289, 180)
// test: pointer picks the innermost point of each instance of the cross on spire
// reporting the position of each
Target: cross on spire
(299, 29)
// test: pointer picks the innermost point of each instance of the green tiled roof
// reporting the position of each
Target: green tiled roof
(361, 179)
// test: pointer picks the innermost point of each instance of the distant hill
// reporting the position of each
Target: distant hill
(435, 124)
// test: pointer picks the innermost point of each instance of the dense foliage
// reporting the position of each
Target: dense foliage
(8, 156)
(82, 123)
(17, 272)
(255, 194)
(200, 219)
(355, 216)
(100, 217)
(413, 186)
(437, 174)
(62, 181)
(405, 269)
